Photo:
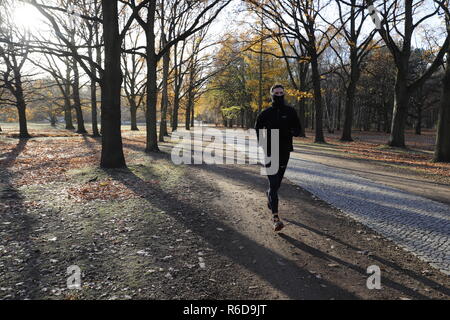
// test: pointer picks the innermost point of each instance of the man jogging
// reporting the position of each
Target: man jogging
(283, 117)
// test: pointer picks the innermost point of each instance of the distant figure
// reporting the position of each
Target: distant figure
(283, 117)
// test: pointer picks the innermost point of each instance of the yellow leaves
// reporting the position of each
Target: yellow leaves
(231, 112)
(304, 59)
(299, 95)
(29, 113)
(11, 118)
(201, 106)
(266, 104)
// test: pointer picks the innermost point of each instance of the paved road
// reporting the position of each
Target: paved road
(418, 224)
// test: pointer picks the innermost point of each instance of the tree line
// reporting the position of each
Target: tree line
(355, 66)
(91, 35)
(347, 62)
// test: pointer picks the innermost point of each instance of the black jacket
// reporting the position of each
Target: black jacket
(283, 118)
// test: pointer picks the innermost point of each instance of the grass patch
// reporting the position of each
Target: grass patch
(86, 174)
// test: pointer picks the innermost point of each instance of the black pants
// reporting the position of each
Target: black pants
(275, 181)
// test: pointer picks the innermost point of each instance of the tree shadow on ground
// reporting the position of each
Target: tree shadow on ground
(326, 257)
(410, 273)
(298, 289)
(289, 278)
(247, 178)
(14, 217)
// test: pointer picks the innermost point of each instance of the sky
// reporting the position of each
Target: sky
(28, 17)
(231, 20)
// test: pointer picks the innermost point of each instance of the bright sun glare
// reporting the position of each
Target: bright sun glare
(27, 17)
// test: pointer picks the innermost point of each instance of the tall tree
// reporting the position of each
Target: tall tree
(178, 78)
(14, 51)
(442, 149)
(397, 20)
(352, 20)
(61, 74)
(112, 150)
(302, 20)
(297, 66)
(90, 33)
(153, 55)
(110, 76)
(165, 72)
(134, 78)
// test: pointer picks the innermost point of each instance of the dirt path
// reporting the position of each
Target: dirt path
(320, 254)
(160, 231)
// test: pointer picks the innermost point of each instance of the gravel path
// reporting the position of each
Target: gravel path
(417, 224)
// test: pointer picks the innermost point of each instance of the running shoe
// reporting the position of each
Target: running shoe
(277, 224)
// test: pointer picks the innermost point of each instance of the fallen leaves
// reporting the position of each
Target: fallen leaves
(47, 160)
(101, 190)
(372, 146)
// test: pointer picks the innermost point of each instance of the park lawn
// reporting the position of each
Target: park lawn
(129, 230)
(367, 146)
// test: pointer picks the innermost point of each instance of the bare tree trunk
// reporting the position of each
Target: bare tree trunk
(379, 118)
(178, 78)
(442, 148)
(67, 103)
(94, 30)
(76, 99)
(328, 115)
(192, 113)
(176, 107)
(354, 77)
(319, 137)
(152, 139)
(99, 62)
(21, 105)
(191, 94)
(164, 98)
(21, 108)
(133, 115)
(386, 127)
(400, 112)
(303, 73)
(112, 149)
(53, 120)
(348, 112)
(95, 132)
(339, 113)
(188, 109)
(418, 126)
